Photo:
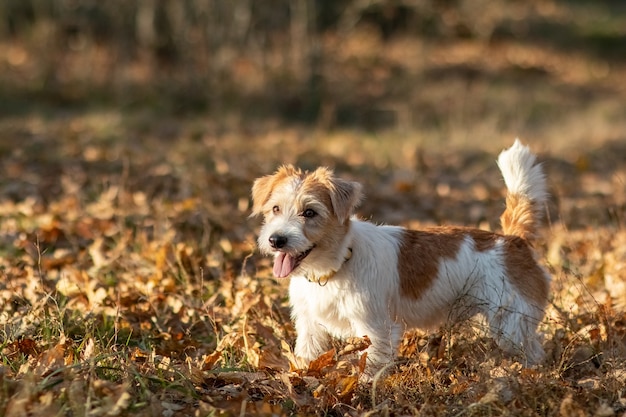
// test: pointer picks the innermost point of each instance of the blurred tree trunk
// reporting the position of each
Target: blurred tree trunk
(299, 39)
(144, 23)
(4, 19)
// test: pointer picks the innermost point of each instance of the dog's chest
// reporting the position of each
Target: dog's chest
(330, 305)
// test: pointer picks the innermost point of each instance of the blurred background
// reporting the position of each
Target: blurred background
(443, 72)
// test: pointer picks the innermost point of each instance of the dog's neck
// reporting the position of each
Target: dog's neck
(323, 279)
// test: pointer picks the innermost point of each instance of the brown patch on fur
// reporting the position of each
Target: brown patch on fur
(519, 218)
(345, 195)
(311, 186)
(317, 189)
(419, 256)
(421, 252)
(524, 272)
(483, 240)
(339, 196)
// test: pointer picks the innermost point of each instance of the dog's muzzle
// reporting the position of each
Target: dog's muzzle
(285, 263)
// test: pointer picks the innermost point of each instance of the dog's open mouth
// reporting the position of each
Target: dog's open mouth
(284, 263)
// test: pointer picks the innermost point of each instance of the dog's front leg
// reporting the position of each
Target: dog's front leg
(312, 339)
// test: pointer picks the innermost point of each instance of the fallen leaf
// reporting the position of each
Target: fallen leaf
(325, 360)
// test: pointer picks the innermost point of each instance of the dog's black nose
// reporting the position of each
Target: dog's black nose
(278, 241)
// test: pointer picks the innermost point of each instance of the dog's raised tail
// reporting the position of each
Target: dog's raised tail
(526, 191)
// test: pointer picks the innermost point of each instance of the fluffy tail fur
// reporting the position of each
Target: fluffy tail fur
(526, 196)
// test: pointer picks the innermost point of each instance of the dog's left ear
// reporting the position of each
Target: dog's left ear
(345, 197)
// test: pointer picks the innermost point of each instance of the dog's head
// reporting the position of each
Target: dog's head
(306, 216)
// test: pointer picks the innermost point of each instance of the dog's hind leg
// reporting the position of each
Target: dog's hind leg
(515, 331)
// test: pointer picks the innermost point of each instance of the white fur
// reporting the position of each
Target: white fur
(521, 174)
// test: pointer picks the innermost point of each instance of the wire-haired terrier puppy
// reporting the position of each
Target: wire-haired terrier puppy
(353, 278)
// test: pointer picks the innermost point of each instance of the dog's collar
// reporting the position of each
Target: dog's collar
(323, 279)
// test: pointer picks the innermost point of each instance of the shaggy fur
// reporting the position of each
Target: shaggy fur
(353, 278)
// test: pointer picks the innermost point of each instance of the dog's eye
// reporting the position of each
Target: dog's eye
(309, 213)
(276, 209)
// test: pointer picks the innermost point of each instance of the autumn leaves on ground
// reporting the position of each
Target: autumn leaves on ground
(130, 283)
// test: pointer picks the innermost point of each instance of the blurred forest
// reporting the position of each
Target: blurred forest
(373, 64)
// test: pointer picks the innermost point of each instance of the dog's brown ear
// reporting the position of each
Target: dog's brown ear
(261, 191)
(345, 197)
(262, 187)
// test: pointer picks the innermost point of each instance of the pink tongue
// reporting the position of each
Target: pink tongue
(283, 265)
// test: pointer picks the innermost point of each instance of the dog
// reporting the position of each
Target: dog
(350, 277)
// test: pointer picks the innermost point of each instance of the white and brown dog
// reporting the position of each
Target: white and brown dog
(353, 278)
